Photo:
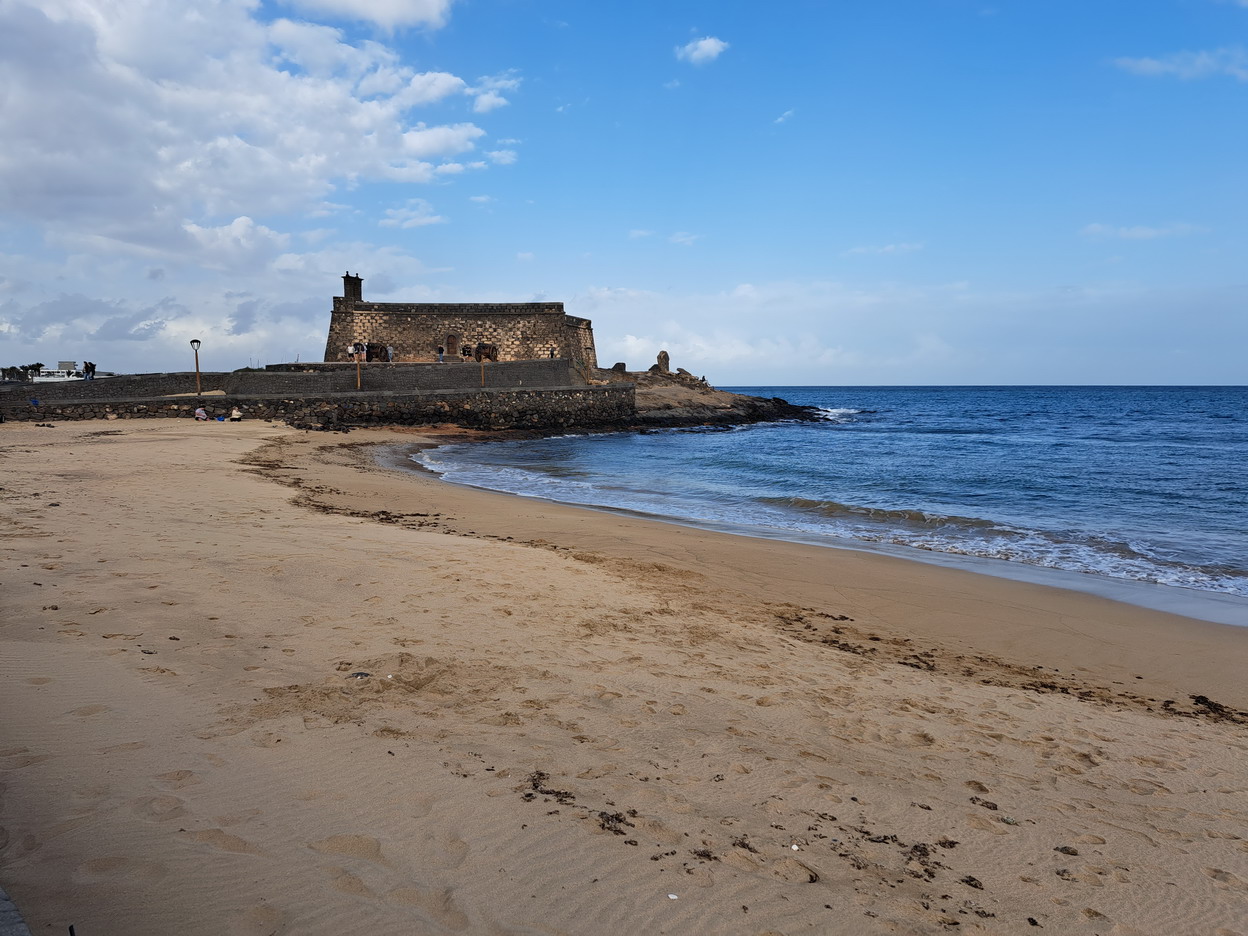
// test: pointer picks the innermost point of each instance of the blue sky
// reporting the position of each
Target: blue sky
(803, 192)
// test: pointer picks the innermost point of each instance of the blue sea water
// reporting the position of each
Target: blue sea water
(1119, 484)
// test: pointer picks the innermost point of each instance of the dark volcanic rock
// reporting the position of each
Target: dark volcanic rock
(680, 399)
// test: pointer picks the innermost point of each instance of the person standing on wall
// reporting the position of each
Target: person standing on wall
(441, 352)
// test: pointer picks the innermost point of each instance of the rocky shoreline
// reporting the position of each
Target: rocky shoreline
(668, 400)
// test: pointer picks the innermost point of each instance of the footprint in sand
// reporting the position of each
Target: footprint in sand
(438, 904)
(120, 748)
(449, 853)
(975, 822)
(1146, 787)
(224, 841)
(158, 808)
(349, 883)
(258, 921)
(658, 831)
(113, 867)
(265, 739)
(595, 773)
(792, 871)
(178, 779)
(26, 760)
(1228, 880)
(364, 847)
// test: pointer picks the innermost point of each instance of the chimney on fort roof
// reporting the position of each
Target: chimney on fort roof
(352, 287)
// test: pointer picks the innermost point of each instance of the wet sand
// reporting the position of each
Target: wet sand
(568, 721)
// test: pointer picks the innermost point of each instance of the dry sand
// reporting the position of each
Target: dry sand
(572, 722)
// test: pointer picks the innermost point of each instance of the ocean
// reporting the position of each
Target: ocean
(1136, 493)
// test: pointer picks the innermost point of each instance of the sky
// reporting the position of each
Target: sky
(804, 192)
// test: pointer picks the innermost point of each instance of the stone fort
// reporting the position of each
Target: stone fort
(415, 330)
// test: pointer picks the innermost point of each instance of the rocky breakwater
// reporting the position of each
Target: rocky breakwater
(667, 399)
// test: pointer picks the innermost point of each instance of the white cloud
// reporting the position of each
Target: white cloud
(1140, 232)
(637, 232)
(502, 157)
(486, 91)
(422, 141)
(388, 14)
(488, 101)
(883, 250)
(701, 51)
(525, 257)
(1229, 60)
(480, 199)
(166, 116)
(241, 243)
(426, 88)
(416, 212)
(785, 116)
(825, 332)
(684, 237)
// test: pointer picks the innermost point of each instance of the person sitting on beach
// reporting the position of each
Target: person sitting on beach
(236, 415)
(201, 414)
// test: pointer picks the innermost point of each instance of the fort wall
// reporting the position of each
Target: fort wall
(544, 410)
(312, 379)
(415, 330)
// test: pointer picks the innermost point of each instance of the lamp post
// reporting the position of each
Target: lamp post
(195, 343)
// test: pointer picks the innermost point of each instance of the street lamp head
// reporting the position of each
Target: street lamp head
(195, 343)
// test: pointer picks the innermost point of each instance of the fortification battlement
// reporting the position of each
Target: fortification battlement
(348, 304)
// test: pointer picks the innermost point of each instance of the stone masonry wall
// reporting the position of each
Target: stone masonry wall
(542, 410)
(581, 344)
(311, 379)
(521, 330)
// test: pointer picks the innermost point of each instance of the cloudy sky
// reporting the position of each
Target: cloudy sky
(801, 192)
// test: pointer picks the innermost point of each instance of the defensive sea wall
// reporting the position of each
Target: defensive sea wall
(313, 379)
(536, 394)
(544, 410)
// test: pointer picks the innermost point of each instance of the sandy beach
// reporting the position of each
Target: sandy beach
(255, 681)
